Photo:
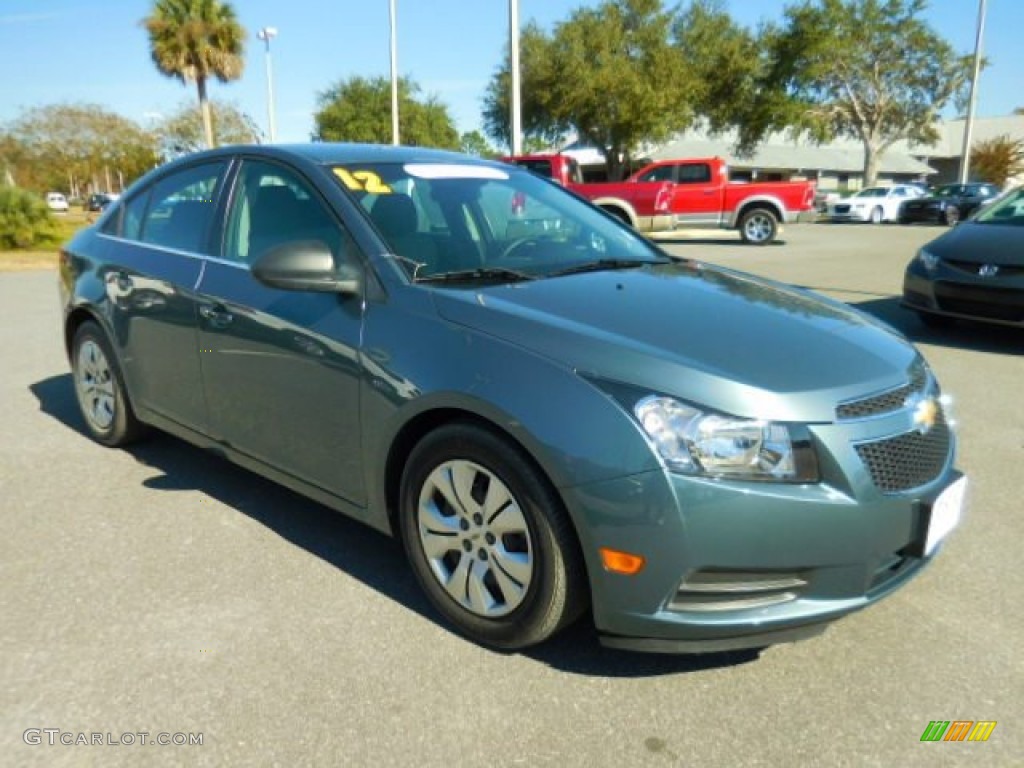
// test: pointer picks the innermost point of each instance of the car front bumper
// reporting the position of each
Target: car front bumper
(851, 215)
(733, 565)
(955, 292)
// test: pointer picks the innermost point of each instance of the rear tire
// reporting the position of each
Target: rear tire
(100, 391)
(618, 213)
(758, 226)
(488, 539)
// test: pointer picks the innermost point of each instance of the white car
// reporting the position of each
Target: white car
(874, 204)
(55, 201)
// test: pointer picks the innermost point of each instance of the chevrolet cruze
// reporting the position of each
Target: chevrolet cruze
(553, 415)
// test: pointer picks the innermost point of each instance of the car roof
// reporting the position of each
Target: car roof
(329, 153)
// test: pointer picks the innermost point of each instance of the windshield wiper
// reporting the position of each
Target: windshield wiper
(602, 265)
(475, 275)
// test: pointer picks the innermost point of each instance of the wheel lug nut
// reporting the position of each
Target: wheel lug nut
(467, 545)
(489, 538)
(478, 519)
(482, 554)
(464, 524)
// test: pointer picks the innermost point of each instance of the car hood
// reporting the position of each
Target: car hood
(977, 243)
(732, 342)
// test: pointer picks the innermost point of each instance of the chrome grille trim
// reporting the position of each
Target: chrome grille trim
(884, 402)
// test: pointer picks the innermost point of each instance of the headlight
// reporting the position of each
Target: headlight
(928, 260)
(698, 443)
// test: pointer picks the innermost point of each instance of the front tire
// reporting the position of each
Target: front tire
(488, 539)
(100, 391)
(935, 322)
(758, 226)
(877, 214)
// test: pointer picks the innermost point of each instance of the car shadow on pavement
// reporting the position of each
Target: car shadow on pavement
(979, 337)
(349, 545)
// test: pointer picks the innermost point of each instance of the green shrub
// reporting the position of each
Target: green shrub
(25, 221)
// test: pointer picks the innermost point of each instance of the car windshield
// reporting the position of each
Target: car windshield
(873, 192)
(467, 222)
(1009, 210)
(949, 190)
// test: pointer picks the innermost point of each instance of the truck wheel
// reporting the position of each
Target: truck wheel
(758, 226)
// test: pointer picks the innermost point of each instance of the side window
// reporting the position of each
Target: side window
(696, 173)
(131, 216)
(273, 205)
(575, 174)
(661, 173)
(180, 211)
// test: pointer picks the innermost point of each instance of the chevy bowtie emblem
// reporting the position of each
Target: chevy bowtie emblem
(988, 270)
(926, 413)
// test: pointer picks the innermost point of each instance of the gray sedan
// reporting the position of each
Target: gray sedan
(554, 416)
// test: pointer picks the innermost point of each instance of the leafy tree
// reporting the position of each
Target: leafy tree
(998, 160)
(610, 73)
(475, 143)
(71, 147)
(24, 220)
(724, 61)
(182, 132)
(359, 109)
(871, 70)
(193, 41)
(540, 123)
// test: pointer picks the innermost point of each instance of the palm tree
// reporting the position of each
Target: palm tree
(194, 40)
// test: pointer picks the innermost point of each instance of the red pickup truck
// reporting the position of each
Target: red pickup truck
(682, 194)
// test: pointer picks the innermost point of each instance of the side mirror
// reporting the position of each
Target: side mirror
(305, 265)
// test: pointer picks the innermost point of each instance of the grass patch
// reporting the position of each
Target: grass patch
(45, 258)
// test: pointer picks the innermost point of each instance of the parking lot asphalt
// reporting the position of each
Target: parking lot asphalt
(163, 590)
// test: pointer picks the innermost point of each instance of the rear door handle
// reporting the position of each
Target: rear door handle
(217, 316)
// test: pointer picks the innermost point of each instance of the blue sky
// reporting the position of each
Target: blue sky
(95, 51)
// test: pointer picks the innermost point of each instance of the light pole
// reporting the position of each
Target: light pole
(513, 46)
(266, 35)
(965, 157)
(394, 75)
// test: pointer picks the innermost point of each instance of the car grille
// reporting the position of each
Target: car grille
(973, 267)
(886, 402)
(990, 303)
(842, 209)
(908, 461)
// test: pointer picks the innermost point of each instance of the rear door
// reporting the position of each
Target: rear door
(281, 369)
(154, 247)
(697, 197)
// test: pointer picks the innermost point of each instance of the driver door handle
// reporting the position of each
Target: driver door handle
(217, 315)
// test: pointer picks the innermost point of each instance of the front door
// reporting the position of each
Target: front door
(281, 368)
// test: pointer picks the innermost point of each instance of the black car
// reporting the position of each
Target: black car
(974, 271)
(948, 204)
(99, 201)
